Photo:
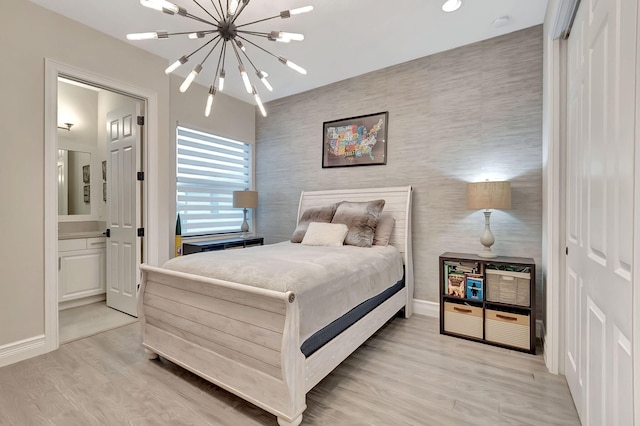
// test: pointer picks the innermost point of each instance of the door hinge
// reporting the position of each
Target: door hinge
(566, 251)
(107, 233)
(140, 175)
(140, 232)
(140, 120)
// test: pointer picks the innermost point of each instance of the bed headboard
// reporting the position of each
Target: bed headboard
(397, 203)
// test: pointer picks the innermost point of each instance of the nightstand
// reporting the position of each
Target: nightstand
(489, 300)
(226, 244)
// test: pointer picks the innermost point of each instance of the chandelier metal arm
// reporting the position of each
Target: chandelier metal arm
(211, 50)
(254, 33)
(215, 76)
(206, 11)
(190, 32)
(259, 20)
(224, 54)
(199, 19)
(259, 47)
(216, 9)
(221, 8)
(201, 47)
(235, 50)
(250, 61)
(238, 12)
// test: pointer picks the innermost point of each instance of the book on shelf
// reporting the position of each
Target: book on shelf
(474, 287)
(454, 272)
(456, 285)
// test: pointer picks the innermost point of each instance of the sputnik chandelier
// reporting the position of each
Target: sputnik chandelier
(222, 31)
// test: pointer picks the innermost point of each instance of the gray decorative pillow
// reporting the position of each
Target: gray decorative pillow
(361, 219)
(313, 214)
(384, 228)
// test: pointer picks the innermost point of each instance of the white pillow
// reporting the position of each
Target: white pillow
(325, 234)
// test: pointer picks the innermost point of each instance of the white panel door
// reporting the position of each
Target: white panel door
(600, 220)
(123, 195)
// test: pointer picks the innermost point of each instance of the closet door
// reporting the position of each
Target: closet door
(600, 221)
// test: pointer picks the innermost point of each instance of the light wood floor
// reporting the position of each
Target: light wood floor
(440, 380)
(87, 320)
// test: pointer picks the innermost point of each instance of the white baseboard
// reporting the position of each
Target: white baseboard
(82, 301)
(21, 350)
(425, 307)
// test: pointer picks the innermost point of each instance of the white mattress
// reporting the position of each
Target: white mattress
(327, 281)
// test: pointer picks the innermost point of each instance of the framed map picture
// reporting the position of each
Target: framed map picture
(355, 141)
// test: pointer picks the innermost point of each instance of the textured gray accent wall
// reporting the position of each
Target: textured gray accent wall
(465, 115)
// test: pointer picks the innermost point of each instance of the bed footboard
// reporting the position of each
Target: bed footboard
(243, 339)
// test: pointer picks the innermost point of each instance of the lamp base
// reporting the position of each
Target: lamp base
(487, 238)
(245, 224)
(487, 254)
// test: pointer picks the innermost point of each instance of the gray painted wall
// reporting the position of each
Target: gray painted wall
(464, 115)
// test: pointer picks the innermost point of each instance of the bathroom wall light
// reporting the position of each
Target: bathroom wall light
(67, 126)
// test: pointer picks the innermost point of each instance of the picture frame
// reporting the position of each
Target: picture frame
(86, 173)
(87, 194)
(355, 141)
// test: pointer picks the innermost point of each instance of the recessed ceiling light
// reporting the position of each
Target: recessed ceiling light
(451, 5)
(501, 21)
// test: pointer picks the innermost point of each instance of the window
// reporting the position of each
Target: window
(209, 169)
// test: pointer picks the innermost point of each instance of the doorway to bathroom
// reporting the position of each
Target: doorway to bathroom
(99, 156)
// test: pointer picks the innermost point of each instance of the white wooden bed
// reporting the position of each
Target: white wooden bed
(246, 339)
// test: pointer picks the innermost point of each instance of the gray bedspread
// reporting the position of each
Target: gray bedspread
(327, 281)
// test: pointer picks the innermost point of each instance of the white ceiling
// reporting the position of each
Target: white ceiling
(342, 38)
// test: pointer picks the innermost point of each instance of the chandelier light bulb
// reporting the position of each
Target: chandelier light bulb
(221, 81)
(171, 68)
(300, 10)
(245, 78)
(192, 76)
(277, 36)
(292, 36)
(296, 67)
(240, 45)
(161, 5)
(147, 36)
(196, 35)
(259, 102)
(233, 7)
(263, 78)
(451, 5)
(207, 108)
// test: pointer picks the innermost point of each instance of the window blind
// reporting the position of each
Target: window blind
(209, 169)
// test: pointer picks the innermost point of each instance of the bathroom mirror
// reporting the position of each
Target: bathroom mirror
(74, 182)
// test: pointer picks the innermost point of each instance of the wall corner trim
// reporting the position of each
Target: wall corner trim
(22, 349)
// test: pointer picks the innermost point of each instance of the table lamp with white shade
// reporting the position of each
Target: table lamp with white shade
(245, 200)
(488, 195)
